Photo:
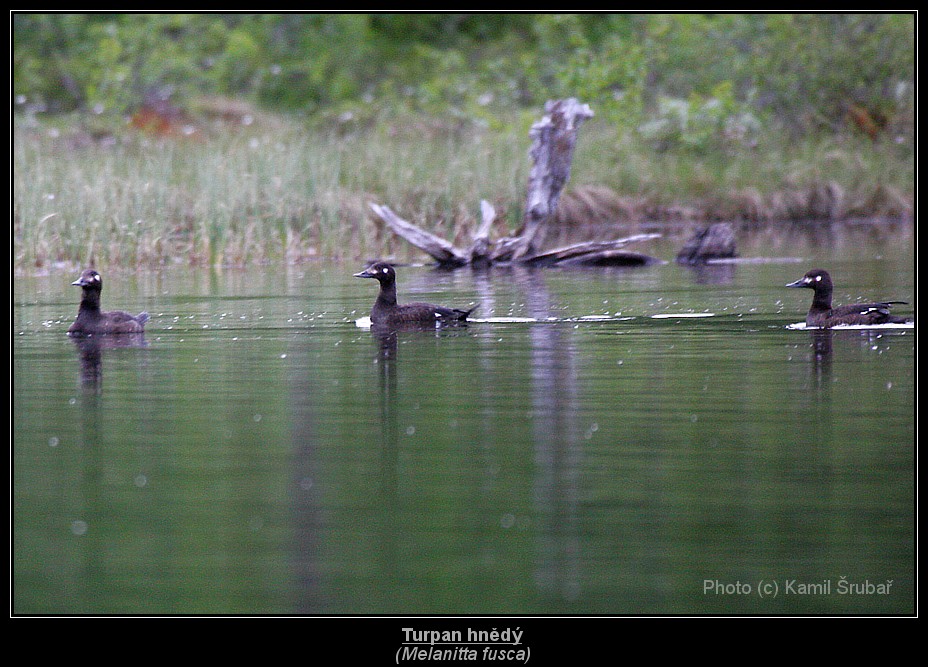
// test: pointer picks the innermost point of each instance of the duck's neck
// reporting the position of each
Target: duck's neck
(90, 301)
(387, 296)
(822, 298)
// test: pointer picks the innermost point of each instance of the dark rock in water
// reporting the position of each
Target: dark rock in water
(713, 242)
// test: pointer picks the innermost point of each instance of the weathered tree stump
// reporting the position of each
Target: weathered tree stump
(480, 250)
(553, 141)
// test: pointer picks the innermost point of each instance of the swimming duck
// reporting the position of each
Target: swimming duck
(387, 311)
(823, 315)
(91, 320)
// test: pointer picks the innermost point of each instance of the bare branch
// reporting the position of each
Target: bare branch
(441, 250)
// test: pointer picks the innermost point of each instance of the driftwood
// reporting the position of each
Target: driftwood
(553, 141)
(596, 253)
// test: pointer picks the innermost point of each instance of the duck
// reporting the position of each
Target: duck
(823, 315)
(92, 321)
(387, 311)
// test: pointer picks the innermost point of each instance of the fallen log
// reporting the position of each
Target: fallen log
(596, 253)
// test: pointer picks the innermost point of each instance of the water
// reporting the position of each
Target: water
(653, 440)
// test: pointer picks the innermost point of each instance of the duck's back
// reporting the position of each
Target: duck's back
(417, 312)
(112, 322)
(865, 314)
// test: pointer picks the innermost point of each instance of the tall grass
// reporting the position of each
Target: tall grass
(281, 192)
(825, 178)
(243, 196)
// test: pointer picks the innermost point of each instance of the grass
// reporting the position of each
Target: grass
(276, 191)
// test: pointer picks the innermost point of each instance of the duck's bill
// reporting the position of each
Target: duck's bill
(802, 282)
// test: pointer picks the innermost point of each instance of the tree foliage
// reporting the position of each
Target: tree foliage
(802, 71)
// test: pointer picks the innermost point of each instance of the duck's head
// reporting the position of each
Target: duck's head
(89, 279)
(816, 279)
(379, 271)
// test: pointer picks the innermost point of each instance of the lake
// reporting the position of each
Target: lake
(653, 440)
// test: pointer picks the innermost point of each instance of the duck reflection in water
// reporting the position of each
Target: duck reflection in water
(822, 343)
(90, 355)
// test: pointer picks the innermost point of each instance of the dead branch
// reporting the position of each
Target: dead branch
(441, 250)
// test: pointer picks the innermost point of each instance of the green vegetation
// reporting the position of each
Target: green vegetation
(141, 139)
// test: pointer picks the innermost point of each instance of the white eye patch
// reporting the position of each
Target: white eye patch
(818, 278)
(384, 270)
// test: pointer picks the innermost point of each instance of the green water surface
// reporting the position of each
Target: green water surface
(567, 453)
